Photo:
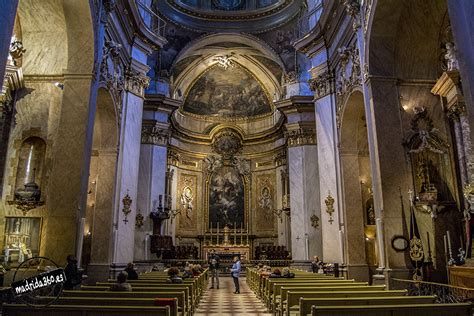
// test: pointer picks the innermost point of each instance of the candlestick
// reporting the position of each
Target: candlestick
(449, 242)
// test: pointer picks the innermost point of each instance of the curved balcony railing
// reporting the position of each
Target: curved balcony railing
(152, 21)
(445, 293)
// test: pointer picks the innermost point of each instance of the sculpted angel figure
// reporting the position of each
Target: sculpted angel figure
(187, 201)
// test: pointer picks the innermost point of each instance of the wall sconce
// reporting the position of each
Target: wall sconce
(127, 202)
(139, 219)
(329, 201)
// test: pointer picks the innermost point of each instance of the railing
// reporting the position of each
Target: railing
(156, 24)
(444, 293)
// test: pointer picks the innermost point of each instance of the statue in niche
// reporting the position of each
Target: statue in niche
(187, 198)
(427, 152)
(369, 208)
(450, 56)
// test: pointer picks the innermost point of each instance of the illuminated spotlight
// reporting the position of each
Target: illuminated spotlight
(59, 85)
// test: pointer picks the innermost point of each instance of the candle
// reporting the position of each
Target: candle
(341, 240)
(449, 241)
(428, 238)
(247, 237)
(217, 233)
(445, 246)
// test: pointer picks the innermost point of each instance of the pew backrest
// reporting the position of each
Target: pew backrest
(459, 309)
(305, 304)
(84, 310)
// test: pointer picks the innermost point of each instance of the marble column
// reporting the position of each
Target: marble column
(128, 167)
(152, 175)
(462, 24)
(329, 170)
(7, 16)
(302, 161)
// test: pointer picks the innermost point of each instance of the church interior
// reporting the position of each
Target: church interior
(329, 139)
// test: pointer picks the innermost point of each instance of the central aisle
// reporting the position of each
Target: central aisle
(224, 302)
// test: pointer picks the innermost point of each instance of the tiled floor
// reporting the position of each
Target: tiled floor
(224, 302)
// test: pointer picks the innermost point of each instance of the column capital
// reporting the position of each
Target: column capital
(300, 134)
(323, 84)
(155, 133)
(353, 10)
(136, 82)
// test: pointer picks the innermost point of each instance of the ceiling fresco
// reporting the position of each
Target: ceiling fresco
(227, 93)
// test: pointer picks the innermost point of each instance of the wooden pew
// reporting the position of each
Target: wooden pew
(274, 291)
(84, 310)
(176, 309)
(305, 304)
(162, 287)
(183, 302)
(460, 309)
(284, 291)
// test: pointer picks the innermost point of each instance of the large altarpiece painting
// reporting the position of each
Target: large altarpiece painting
(226, 198)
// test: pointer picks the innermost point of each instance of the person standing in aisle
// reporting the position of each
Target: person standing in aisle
(214, 267)
(235, 273)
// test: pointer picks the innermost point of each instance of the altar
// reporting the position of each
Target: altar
(227, 243)
(227, 253)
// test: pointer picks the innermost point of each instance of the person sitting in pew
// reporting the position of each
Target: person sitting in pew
(122, 285)
(188, 273)
(276, 274)
(287, 274)
(173, 276)
(132, 273)
(167, 268)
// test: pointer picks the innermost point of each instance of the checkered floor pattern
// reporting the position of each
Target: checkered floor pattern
(223, 301)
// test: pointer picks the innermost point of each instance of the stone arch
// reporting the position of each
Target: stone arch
(246, 50)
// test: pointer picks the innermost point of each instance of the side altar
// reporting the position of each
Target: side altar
(227, 243)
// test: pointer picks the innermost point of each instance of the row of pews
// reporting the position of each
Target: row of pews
(322, 295)
(151, 295)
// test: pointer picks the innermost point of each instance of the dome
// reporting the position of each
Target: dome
(230, 15)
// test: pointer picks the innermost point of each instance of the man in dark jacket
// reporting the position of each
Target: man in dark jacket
(213, 261)
(73, 275)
